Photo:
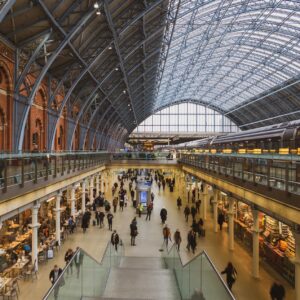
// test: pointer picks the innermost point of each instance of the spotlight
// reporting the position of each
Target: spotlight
(124, 92)
(110, 47)
(96, 5)
(117, 69)
(98, 13)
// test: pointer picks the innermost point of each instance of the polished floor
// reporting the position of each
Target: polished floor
(149, 242)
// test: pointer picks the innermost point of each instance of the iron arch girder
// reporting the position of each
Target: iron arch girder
(117, 48)
(69, 44)
(111, 133)
(45, 69)
(102, 118)
(100, 122)
(6, 7)
(78, 79)
(105, 134)
(29, 63)
(96, 110)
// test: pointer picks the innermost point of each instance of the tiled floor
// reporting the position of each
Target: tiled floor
(149, 242)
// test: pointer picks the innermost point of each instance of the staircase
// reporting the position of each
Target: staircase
(140, 278)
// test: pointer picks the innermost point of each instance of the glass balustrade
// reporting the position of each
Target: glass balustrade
(198, 275)
(84, 276)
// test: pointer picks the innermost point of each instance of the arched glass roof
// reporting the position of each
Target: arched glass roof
(226, 53)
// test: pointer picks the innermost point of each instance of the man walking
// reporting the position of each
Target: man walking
(149, 211)
(115, 239)
(110, 220)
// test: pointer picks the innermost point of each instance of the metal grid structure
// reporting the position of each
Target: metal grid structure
(120, 61)
(231, 54)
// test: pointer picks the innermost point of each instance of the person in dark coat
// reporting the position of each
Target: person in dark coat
(193, 212)
(97, 217)
(149, 211)
(78, 259)
(192, 243)
(163, 215)
(187, 212)
(101, 218)
(231, 273)
(133, 231)
(53, 276)
(68, 256)
(277, 291)
(221, 219)
(115, 239)
(110, 220)
(198, 203)
(177, 239)
(85, 221)
(179, 202)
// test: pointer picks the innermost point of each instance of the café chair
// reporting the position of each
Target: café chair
(14, 285)
(42, 257)
(11, 294)
(31, 272)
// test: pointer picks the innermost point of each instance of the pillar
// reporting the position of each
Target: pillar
(231, 223)
(255, 247)
(97, 185)
(34, 243)
(297, 263)
(91, 188)
(73, 208)
(57, 218)
(204, 201)
(215, 210)
(83, 188)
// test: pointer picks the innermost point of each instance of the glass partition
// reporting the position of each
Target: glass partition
(84, 276)
(198, 275)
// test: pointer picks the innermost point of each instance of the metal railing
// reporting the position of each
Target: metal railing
(274, 174)
(18, 169)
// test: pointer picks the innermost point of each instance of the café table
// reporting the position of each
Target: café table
(19, 266)
(11, 245)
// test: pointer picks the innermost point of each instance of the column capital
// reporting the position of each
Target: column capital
(36, 206)
(33, 226)
(59, 193)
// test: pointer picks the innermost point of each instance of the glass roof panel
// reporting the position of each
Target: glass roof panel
(227, 52)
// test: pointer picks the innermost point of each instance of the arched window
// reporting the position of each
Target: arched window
(187, 117)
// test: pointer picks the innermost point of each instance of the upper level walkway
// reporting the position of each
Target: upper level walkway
(272, 182)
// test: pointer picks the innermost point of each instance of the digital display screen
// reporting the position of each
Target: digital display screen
(143, 198)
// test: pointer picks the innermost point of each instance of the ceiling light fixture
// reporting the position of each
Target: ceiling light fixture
(110, 47)
(124, 92)
(117, 69)
(96, 5)
(98, 13)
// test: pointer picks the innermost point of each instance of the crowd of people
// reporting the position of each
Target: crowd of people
(120, 199)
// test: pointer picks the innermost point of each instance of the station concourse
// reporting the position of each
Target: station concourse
(113, 109)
